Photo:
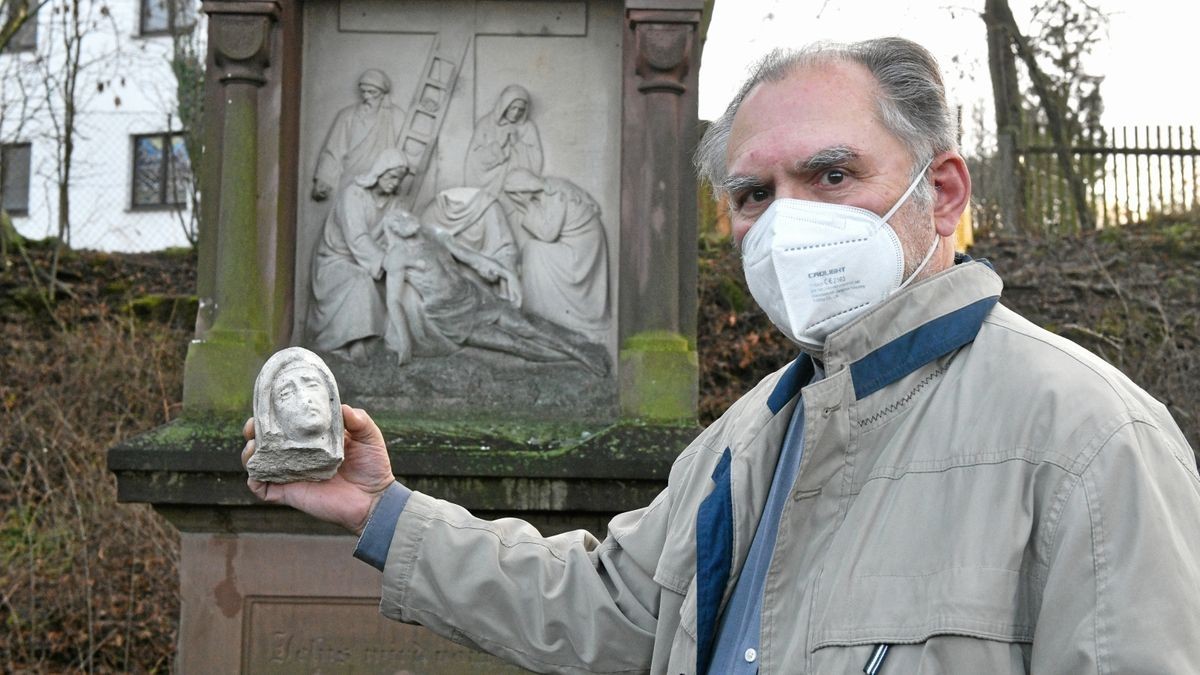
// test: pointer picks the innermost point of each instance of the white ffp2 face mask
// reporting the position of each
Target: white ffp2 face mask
(814, 267)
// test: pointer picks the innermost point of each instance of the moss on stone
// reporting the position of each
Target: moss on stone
(164, 308)
(658, 381)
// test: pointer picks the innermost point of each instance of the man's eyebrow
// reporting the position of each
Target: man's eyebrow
(737, 183)
(827, 158)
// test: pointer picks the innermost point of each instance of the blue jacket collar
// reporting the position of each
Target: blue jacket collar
(928, 320)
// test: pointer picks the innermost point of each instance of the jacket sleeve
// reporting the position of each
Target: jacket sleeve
(567, 603)
(1122, 582)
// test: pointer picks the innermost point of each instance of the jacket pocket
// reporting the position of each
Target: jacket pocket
(958, 620)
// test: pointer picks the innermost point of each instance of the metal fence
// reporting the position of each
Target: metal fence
(1136, 173)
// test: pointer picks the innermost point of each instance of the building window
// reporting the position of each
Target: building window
(14, 171)
(25, 39)
(162, 173)
(167, 17)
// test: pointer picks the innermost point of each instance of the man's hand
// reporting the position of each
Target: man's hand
(321, 190)
(346, 499)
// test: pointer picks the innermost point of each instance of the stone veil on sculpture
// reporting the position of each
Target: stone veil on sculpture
(297, 419)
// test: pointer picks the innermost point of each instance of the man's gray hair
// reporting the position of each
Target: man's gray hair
(911, 99)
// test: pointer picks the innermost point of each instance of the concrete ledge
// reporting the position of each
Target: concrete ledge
(558, 478)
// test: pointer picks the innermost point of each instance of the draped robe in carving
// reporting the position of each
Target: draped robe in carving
(348, 299)
(564, 261)
(356, 137)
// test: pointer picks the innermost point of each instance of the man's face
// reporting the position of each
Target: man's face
(816, 135)
(370, 93)
(301, 402)
(389, 181)
(515, 111)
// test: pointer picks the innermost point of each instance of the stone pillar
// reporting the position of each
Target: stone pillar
(233, 329)
(657, 330)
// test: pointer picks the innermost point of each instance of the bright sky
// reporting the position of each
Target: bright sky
(1148, 59)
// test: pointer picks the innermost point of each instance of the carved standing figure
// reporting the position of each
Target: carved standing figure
(505, 138)
(348, 308)
(297, 419)
(564, 259)
(358, 134)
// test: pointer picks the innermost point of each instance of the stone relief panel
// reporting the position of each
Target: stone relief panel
(467, 232)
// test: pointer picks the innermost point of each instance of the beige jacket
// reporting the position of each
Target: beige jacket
(982, 495)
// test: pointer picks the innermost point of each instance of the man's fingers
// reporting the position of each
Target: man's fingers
(360, 426)
(248, 429)
(247, 452)
(270, 493)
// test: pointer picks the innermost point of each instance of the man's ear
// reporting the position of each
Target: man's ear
(952, 191)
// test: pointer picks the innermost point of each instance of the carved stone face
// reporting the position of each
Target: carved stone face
(300, 399)
(515, 111)
(370, 94)
(389, 181)
(403, 226)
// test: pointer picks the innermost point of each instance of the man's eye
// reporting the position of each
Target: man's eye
(758, 195)
(833, 177)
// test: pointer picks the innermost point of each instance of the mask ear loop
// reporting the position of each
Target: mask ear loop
(924, 262)
(907, 193)
(933, 247)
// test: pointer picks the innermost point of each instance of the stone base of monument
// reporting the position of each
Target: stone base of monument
(266, 589)
(279, 603)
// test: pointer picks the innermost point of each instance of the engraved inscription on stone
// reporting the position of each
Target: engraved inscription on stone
(297, 419)
(346, 635)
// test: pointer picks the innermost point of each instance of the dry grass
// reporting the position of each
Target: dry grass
(86, 584)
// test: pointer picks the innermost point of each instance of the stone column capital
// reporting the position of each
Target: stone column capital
(663, 48)
(240, 39)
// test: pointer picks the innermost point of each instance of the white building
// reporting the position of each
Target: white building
(130, 184)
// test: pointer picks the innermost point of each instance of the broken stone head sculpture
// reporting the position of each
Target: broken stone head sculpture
(297, 419)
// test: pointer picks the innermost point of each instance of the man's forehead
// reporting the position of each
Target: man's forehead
(812, 112)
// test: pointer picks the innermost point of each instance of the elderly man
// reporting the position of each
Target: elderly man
(934, 486)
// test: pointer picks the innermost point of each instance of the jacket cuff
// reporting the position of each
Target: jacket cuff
(406, 546)
(376, 536)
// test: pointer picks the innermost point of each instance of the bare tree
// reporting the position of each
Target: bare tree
(187, 64)
(1007, 100)
(1005, 40)
(72, 76)
(15, 108)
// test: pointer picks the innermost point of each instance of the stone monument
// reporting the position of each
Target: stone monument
(481, 215)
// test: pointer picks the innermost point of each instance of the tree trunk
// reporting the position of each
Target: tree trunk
(1058, 128)
(1007, 98)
